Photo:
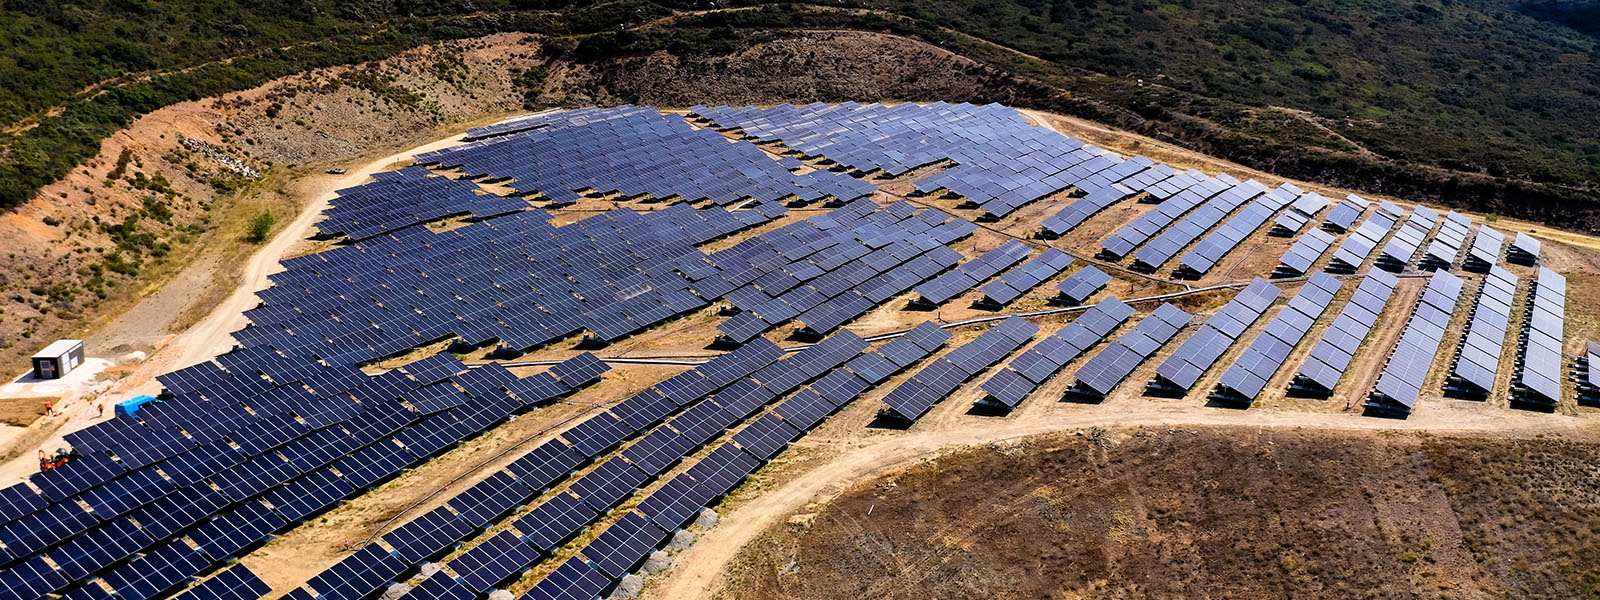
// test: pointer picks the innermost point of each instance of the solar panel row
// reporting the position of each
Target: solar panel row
(1524, 250)
(1142, 229)
(1016, 282)
(1209, 251)
(1300, 213)
(1345, 214)
(1448, 243)
(1326, 365)
(1079, 286)
(913, 398)
(1102, 373)
(1152, 256)
(1249, 374)
(1537, 381)
(1195, 356)
(973, 272)
(1403, 245)
(1486, 250)
(1040, 362)
(1361, 244)
(1400, 384)
(1305, 253)
(1477, 361)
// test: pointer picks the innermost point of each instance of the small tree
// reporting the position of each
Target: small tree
(260, 226)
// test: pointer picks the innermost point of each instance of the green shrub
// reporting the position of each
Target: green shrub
(260, 226)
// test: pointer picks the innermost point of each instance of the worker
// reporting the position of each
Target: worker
(50, 408)
(102, 407)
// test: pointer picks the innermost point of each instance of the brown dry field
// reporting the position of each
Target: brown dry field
(1201, 513)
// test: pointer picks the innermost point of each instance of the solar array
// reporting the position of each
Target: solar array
(1322, 370)
(1306, 251)
(1477, 361)
(1106, 370)
(1300, 213)
(830, 269)
(1345, 213)
(1524, 250)
(944, 287)
(1080, 210)
(1184, 368)
(914, 397)
(1447, 244)
(1079, 286)
(1249, 374)
(563, 516)
(1142, 229)
(1040, 362)
(522, 123)
(400, 199)
(1588, 380)
(1537, 381)
(1016, 282)
(198, 478)
(1360, 244)
(1486, 250)
(637, 151)
(1002, 162)
(1207, 215)
(1403, 375)
(516, 279)
(1209, 251)
(1403, 245)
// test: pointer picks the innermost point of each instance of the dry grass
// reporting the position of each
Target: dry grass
(1218, 513)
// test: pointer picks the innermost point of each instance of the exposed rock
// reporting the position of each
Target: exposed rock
(428, 569)
(681, 540)
(395, 591)
(500, 595)
(627, 589)
(657, 562)
(708, 518)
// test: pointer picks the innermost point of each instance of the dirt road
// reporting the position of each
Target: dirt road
(213, 334)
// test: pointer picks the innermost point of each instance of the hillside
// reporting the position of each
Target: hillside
(1488, 104)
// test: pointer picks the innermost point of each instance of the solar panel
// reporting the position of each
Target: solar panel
(234, 583)
(1105, 370)
(1037, 364)
(493, 561)
(428, 535)
(1539, 378)
(1184, 368)
(1245, 379)
(913, 398)
(555, 521)
(573, 580)
(1400, 384)
(623, 545)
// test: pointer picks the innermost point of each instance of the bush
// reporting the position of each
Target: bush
(260, 226)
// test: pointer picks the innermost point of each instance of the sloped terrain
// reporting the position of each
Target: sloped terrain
(1186, 513)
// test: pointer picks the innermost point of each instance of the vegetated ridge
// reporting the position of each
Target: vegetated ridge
(1483, 104)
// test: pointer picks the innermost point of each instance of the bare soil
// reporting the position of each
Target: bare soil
(1200, 513)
